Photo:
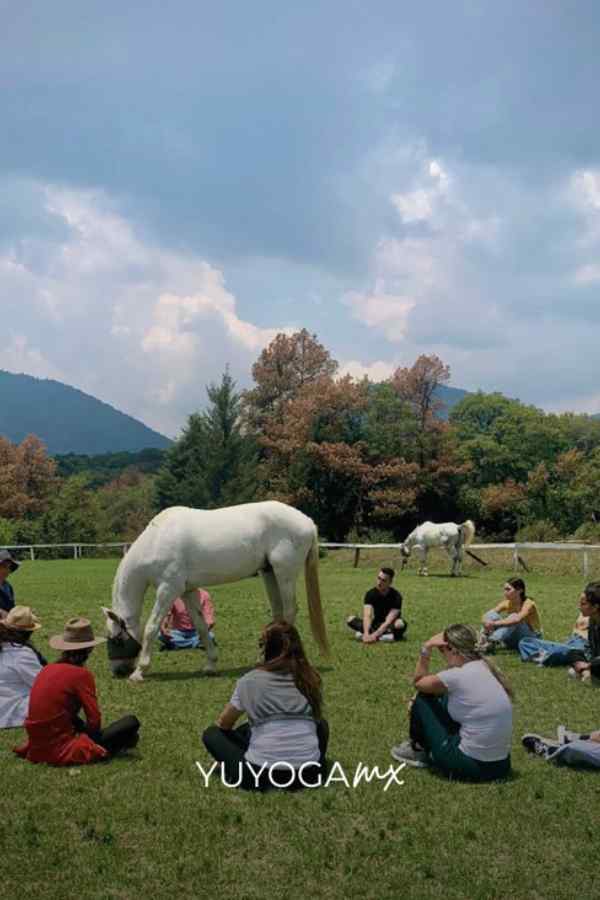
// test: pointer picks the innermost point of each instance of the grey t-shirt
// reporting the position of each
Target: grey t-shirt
(281, 719)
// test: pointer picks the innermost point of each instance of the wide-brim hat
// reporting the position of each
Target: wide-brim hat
(6, 557)
(77, 635)
(21, 618)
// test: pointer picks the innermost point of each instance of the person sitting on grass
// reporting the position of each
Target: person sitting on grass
(382, 612)
(177, 629)
(553, 653)
(571, 748)
(7, 594)
(20, 663)
(522, 619)
(461, 718)
(585, 663)
(56, 734)
(285, 735)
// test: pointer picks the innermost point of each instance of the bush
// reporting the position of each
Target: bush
(589, 531)
(543, 530)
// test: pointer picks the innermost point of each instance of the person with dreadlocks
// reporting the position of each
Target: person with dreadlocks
(461, 718)
(284, 742)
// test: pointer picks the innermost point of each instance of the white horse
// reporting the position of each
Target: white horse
(182, 549)
(449, 535)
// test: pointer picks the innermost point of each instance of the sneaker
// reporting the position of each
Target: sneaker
(571, 672)
(540, 658)
(541, 746)
(406, 753)
(484, 645)
(386, 636)
(565, 736)
(358, 636)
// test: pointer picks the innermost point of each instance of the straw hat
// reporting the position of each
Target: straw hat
(21, 618)
(77, 635)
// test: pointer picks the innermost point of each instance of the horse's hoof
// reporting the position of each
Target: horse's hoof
(136, 677)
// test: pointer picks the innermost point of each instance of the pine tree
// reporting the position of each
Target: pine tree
(213, 462)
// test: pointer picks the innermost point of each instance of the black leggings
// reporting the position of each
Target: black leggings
(229, 748)
(121, 735)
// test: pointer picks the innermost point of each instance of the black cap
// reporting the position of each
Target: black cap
(6, 557)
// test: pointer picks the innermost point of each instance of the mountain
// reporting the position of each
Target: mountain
(449, 396)
(67, 420)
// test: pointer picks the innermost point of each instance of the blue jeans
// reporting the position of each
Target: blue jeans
(509, 635)
(556, 653)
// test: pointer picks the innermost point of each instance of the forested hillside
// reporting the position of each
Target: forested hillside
(364, 460)
(67, 420)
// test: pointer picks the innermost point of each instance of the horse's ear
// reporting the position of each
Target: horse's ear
(111, 616)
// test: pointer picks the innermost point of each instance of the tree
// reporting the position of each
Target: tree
(433, 446)
(126, 506)
(417, 387)
(74, 513)
(316, 459)
(282, 369)
(213, 462)
(27, 478)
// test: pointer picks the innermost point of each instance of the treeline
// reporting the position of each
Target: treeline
(365, 460)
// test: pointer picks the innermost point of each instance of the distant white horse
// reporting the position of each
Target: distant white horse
(182, 549)
(449, 535)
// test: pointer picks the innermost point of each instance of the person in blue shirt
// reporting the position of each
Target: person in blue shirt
(7, 595)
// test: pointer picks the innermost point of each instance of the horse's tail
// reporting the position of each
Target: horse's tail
(467, 530)
(313, 596)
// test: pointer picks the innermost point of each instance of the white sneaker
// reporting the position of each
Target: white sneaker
(358, 636)
(571, 672)
(386, 636)
(541, 746)
(405, 753)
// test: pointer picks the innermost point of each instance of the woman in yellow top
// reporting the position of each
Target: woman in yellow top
(520, 620)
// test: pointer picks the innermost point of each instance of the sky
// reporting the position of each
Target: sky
(180, 182)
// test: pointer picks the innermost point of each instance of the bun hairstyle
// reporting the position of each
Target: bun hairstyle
(283, 652)
(462, 639)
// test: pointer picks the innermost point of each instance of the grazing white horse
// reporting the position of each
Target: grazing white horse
(449, 535)
(182, 549)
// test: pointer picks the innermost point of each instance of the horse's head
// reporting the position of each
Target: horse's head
(122, 647)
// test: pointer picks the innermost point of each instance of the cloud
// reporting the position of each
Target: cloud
(138, 326)
(376, 371)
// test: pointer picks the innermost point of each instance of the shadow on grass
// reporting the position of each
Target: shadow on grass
(187, 676)
(514, 776)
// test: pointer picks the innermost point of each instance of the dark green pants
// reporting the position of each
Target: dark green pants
(432, 728)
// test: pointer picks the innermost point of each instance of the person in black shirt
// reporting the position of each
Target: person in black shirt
(382, 612)
(7, 595)
(585, 664)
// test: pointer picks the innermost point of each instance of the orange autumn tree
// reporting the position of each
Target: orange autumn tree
(316, 459)
(27, 478)
(283, 368)
(431, 443)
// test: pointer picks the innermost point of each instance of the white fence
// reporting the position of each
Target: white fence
(517, 549)
(517, 560)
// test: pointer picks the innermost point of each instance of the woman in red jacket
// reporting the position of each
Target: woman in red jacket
(56, 733)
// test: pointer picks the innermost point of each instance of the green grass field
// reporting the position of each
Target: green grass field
(144, 826)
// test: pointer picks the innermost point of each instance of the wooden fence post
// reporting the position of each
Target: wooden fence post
(356, 556)
(31, 553)
(515, 558)
(585, 563)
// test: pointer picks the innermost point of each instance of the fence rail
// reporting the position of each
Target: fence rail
(516, 548)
